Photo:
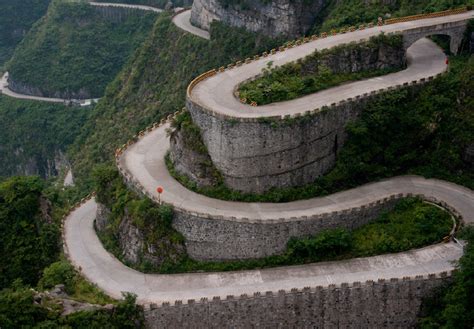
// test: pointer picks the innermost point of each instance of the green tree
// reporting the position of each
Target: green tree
(29, 240)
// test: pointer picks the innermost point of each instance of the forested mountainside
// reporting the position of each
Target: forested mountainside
(425, 133)
(153, 85)
(351, 12)
(35, 136)
(32, 264)
(153, 3)
(16, 18)
(76, 50)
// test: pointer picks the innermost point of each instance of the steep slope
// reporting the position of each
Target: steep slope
(153, 3)
(35, 136)
(351, 12)
(76, 50)
(154, 85)
(16, 18)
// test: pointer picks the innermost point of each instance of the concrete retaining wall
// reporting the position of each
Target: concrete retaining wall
(383, 304)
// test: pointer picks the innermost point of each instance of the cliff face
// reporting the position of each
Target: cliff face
(289, 18)
(194, 165)
(139, 244)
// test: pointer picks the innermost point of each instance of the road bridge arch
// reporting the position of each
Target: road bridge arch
(455, 30)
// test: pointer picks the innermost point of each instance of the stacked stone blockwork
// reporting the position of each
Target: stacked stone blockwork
(382, 304)
(255, 156)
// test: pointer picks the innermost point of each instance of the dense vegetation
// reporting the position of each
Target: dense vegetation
(16, 18)
(412, 224)
(154, 85)
(310, 74)
(152, 220)
(18, 309)
(453, 305)
(352, 12)
(30, 211)
(153, 3)
(29, 237)
(35, 135)
(76, 50)
(407, 131)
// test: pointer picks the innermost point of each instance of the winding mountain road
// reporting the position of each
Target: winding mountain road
(424, 59)
(183, 21)
(144, 161)
(4, 90)
(82, 102)
(126, 5)
(98, 266)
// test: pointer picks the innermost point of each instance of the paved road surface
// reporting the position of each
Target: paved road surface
(6, 91)
(182, 21)
(124, 5)
(145, 161)
(216, 93)
(99, 267)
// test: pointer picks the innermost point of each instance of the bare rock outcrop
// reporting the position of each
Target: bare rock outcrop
(288, 18)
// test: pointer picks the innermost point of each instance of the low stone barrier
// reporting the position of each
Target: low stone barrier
(393, 303)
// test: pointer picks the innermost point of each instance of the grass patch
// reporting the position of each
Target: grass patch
(78, 288)
(400, 132)
(322, 70)
(75, 51)
(412, 224)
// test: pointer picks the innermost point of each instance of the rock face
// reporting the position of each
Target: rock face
(29, 165)
(59, 297)
(362, 58)
(138, 243)
(288, 18)
(25, 89)
(194, 165)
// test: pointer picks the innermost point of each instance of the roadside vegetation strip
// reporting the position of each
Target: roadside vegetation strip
(428, 15)
(312, 74)
(410, 225)
(225, 107)
(113, 277)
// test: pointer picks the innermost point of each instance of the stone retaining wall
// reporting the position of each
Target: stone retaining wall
(256, 155)
(226, 238)
(383, 304)
(119, 14)
(231, 239)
